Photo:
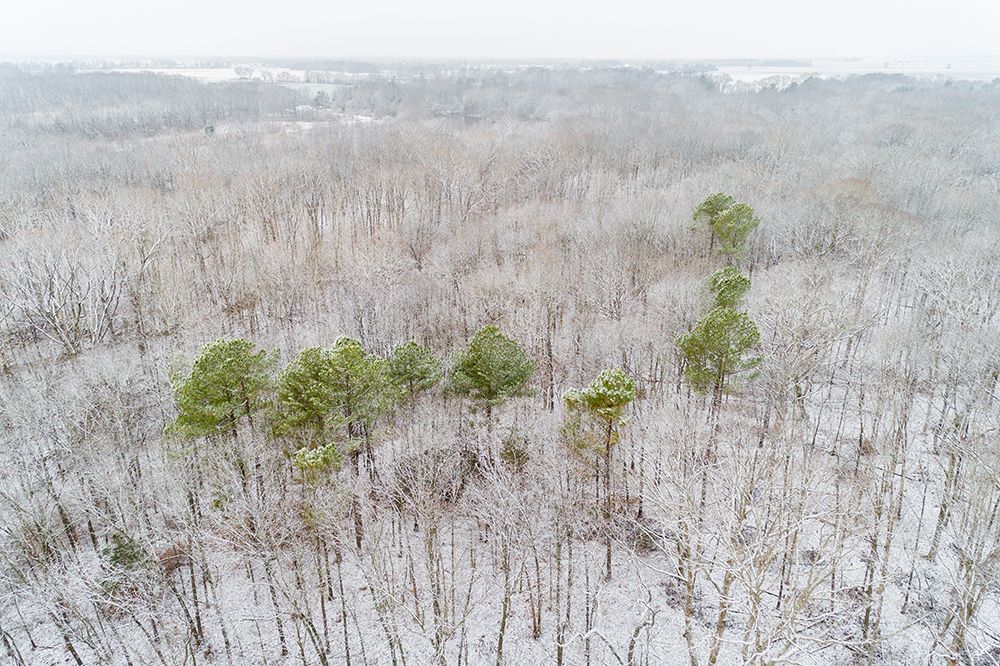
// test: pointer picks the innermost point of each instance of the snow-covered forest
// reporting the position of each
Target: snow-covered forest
(456, 365)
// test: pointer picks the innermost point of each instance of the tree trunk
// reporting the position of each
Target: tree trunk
(607, 499)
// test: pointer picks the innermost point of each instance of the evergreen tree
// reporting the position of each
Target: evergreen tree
(732, 226)
(325, 390)
(729, 285)
(712, 207)
(307, 399)
(491, 370)
(720, 344)
(361, 384)
(229, 381)
(604, 401)
(728, 221)
(717, 348)
(709, 210)
(414, 369)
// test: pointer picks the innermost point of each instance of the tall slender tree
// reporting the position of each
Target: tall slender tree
(718, 348)
(604, 401)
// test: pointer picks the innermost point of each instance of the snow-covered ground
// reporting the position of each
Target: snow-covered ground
(217, 74)
(968, 69)
(971, 69)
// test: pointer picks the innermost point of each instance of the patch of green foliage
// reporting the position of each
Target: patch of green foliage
(325, 390)
(732, 227)
(603, 404)
(729, 221)
(122, 557)
(316, 462)
(514, 451)
(123, 552)
(729, 285)
(718, 347)
(712, 206)
(414, 369)
(230, 380)
(491, 370)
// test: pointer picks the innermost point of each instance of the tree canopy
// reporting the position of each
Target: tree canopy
(732, 226)
(307, 397)
(323, 390)
(719, 347)
(712, 207)
(492, 369)
(729, 221)
(593, 409)
(413, 368)
(361, 384)
(606, 398)
(729, 285)
(230, 380)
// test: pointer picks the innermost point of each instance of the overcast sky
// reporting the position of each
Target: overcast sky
(502, 28)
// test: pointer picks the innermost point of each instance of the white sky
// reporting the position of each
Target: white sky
(501, 28)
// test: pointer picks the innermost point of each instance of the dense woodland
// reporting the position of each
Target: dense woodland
(459, 364)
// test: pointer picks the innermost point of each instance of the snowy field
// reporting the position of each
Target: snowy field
(961, 69)
(955, 68)
(217, 74)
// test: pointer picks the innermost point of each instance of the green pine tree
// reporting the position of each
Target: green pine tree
(732, 227)
(306, 407)
(718, 348)
(491, 370)
(414, 369)
(729, 285)
(229, 381)
(729, 222)
(712, 207)
(325, 393)
(602, 403)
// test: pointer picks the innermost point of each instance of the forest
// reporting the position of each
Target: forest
(454, 364)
